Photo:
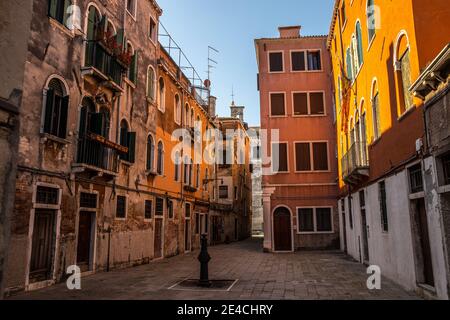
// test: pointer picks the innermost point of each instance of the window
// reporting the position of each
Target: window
(47, 195)
(177, 165)
(121, 207)
(339, 93)
(57, 9)
(376, 116)
(359, 44)
(159, 208)
(150, 153)
(88, 200)
(132, 70)
(405, 76)
(298, 61)
(314, 61)
(151, 83)
(320, 156)
(446, 168)
(316, 101)
(152, 30)
(56, 109)
(236, 196)
(371, 19)
(170, 208)
(187, 211)
(301, 103)
(383, 205)
(197, 176)
(314, 220)
(177, 112)
(160, 163)
(187, 171)
(350, 212)
(280, 157)
(276, 62)
(197, 223)
(349, 65)
(148, 213)
(162, 95)
(223, 192)
(277, 105)
(302, 157)
(131, 7)
(415, 179)
(343, 13)
(127, 139)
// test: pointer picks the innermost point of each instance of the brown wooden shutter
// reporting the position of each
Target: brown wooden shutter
(282, 157)
(49, 110)
(276, 61)
(298, 61)
(62, 128)
(316, 101)
(303, 157)
(320, 156)
(300, 103)
(277, 104)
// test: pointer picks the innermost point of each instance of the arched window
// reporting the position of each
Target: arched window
(359, 44)
(131, 57)
(371, 19)
(150, 153)
(191, 123)
(187, 170)
(92, 33)
(151, 83)
(106, 122)
(354, 54)
(161, 95)
(363, 134)
(186, 115)
(177, 165)
(160, 163)
(197, 176)
(375, 111)
(56, 108)
(177, 112)
(348, 59)
(339, 93)
(403, 72)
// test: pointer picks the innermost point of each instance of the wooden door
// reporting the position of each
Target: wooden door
(425, 243)
(187, 235)
(282, 230)
(43, 243)
(84, 241)
(158, 245)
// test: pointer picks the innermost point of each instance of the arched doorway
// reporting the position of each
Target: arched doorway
(282, 229)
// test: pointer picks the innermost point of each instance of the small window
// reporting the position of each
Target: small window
(152, 29)
(159, 207)
(317, 103)
(223, 192)
(276, 61)
(320, 156)
(160, 159)
(162, 95)
(56, 109)
(88, 200)
(47, 195)
(187, 211)
(277, 105)
(148, 213)
(121, 207)
(300, 103)
(302, 157)
(170, 208)
(343, 13)
(323, 219)
(57, 9)
(131, 7)
(350, 212)
(150, 153)
(383, 205)
(151, 83)
(314, 61)
(305, 220)
(280, 157)
(298, 61)
(415, 179)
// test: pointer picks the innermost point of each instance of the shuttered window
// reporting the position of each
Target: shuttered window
(56, 109)
(300, 103)
(57, 9)
(298, 61)
(383, 206)
(121, 207)
(187, 211)
(133, 69)
(305, 220)
(276, 61)
(323, 220)
(127, 139)
(317, 103)
(159, 208)
(302, 157)
(280, 157)
(314, 62)
(277, 105)
(320, 156)
(148, 209)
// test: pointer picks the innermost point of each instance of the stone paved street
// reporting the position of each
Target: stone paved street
(301, 275)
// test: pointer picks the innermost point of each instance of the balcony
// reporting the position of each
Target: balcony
(355, 164)
(98, 155)
(102, 64)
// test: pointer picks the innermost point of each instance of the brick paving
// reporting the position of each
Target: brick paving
(300, 275)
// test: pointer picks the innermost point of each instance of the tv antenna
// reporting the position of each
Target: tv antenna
(211, 64)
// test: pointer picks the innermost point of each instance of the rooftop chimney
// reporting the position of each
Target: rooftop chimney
(290, 32)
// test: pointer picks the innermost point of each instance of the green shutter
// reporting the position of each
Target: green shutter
(52, 8)
(102, 27)
(66, 15)
(49, 110)
(91, 23)
(62, 130)
(134, 67)
(131, 146)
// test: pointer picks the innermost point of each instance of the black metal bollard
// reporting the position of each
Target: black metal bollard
(204, 259)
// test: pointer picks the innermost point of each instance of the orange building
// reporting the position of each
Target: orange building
(300, 180)
(378, 49)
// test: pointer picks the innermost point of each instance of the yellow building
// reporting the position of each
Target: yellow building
(378, 49)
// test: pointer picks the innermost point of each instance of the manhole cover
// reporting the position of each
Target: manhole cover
(192, 285)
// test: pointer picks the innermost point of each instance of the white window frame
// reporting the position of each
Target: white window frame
(311, 156)
(287, 156)
(308, 93)
(285, 104)
(282, 58)
(314, 219)
(132, 14)
(126, 207)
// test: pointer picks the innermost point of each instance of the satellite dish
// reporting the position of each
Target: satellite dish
(207, 83)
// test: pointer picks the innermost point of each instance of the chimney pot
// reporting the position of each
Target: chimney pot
(290, 32)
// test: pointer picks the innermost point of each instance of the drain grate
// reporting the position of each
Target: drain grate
(192, 285)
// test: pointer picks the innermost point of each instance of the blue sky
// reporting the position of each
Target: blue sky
(231, 26)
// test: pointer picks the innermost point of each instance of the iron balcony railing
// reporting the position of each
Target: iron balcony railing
(356, 158)
(95, 153)
(99, 58)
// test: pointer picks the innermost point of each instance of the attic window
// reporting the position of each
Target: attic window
(276, 62)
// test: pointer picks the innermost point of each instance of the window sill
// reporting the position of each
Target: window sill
(131, 15)
(371, 42)
(309, 115)
(149, 173)
(49, 137)
(314, 232)
(126, 163)
(406, 113)
(283, 116)
(129, 82)
(58, 25)
(375, 142)
(276, 72)
(312, 171)
(444, 189)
